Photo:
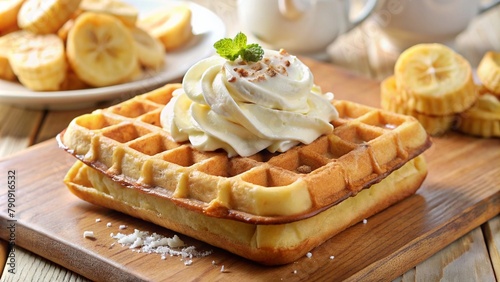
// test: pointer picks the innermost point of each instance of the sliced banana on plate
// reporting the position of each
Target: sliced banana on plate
(150, 51)
(6, 43)
(45, 16)
(171, 26)
(127, 13)
(99, 42)
(39, 61)
(100, 49)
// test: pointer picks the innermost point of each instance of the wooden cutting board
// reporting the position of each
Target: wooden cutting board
(461, 192)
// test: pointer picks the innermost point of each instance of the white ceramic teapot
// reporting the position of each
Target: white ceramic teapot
(299, 26)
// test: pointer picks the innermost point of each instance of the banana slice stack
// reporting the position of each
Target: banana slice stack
(434, 84)
(483, 119)
(393, 100)
(50, 45)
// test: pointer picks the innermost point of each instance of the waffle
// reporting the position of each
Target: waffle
(126, 143)
(267, 244)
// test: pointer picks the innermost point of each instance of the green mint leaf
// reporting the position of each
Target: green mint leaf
(231, 49)
(240, 40)
(227, 49)
(252, 53)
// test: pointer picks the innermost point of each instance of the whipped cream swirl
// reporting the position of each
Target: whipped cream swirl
(245, 107)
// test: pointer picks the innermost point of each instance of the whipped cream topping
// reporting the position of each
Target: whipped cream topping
(245, 107)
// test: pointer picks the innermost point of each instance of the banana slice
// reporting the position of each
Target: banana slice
(101, 49)
(150, 51)
(488, 71)
(45, 16)
(8, 13)
(483, 119)
(488, 102)
(391, 100)
(39, 61)
(6, 43)
(125, 12)
(435, 80)
(171, 26)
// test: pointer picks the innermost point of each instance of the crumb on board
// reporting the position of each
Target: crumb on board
(88, 234)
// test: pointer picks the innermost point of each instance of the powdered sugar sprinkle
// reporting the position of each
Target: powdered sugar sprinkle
(142, 241)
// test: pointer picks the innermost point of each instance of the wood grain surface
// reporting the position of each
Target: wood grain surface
(461, 192)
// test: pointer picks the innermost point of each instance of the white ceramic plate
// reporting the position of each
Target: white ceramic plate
(207, 27)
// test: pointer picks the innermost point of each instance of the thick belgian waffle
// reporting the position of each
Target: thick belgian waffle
(126, 143)
(267, 244)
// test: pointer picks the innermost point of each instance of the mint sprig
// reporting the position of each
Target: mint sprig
(231, 49)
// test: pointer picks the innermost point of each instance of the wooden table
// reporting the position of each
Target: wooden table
(476, 253)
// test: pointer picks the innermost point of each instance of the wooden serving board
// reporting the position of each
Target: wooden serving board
(461, 192)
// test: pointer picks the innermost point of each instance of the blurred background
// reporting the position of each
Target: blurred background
(366, 50)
